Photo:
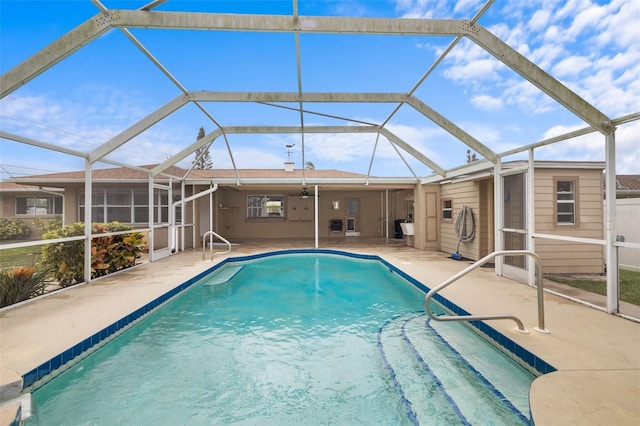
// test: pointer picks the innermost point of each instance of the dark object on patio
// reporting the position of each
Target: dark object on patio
(398, 229)
(335, 225)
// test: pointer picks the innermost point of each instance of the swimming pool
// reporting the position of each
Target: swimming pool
(297, 338)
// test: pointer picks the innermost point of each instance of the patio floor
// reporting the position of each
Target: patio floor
(597, 355)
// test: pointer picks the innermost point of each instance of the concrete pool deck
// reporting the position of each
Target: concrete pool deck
(597, 355)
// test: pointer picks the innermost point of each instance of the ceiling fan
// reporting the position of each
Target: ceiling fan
(305, 193)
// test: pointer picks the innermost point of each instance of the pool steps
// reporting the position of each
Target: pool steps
(419, 389)
(408, 344)
(223, 275)
(497, 376)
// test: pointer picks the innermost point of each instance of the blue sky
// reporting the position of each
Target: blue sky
(100, 90)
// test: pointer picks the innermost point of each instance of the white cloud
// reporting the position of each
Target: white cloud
(588, 18)
(571, 66)
(473, 72)
(546, 54)
(467, 7)
(591, 147)
(620, 26)
(335, 147)
(246, 158)
(628, 149)
(75, 125)
(527, 97)
(486, 102)
(540, 19)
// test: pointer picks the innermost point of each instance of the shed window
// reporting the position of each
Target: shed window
(447, 209)
(566, 202)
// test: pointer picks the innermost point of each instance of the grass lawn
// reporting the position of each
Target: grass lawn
(23, 256)
(629, 285)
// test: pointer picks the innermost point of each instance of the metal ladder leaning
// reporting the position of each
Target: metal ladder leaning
(520, 328)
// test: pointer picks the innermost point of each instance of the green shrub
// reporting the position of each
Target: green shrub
(22, 283)
(108, 254)
(44, 226)
(114, 252)
(66, 259)
(11, 229)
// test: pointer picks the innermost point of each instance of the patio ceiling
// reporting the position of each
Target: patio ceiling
(302, 102)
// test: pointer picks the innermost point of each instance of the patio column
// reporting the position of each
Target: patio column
(151, 221)
(613, 303)
(531, 219)
(498, 207)
(88, 198)
(419, 217)
(386, 214)
(315, 213)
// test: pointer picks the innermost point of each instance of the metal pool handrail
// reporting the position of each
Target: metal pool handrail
(538, 265)
(213, 234)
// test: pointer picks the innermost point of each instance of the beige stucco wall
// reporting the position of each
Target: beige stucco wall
(231, 221)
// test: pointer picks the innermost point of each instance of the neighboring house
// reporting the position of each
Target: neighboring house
(28, 202)
(627, 186)
(628, 218)
(267, 204)
(274, 204)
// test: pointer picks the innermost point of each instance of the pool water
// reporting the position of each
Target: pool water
(310, 339)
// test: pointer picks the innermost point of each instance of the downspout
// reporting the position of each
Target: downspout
(213, 188)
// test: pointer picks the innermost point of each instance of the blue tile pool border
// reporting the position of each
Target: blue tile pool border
(47, 369)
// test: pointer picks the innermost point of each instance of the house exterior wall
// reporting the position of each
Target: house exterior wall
(8, 211)
(460, 193)
(557, 256)
(232, 223)
(6, 204)
(562, 256)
